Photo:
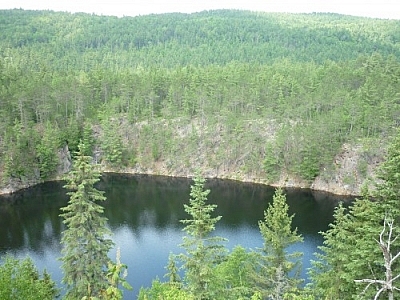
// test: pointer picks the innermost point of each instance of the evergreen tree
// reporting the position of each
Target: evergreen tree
(173, 271)
(85, 239)
(46, 151)
(203, 251)
(277, 270)
(388, 189)
(350, 251)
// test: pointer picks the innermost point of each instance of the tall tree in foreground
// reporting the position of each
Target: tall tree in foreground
(350, 252)
(85, 239)
(203, 251)
(277, 270)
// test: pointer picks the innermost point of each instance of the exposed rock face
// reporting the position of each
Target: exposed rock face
(349, 171)
(65, 161)
(16, 184)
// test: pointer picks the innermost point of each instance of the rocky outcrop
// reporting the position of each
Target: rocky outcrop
(211, 152)
(15, 184)
(351, 169)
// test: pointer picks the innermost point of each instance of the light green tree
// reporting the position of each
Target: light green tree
(277, 271)
(85, 240)
(203, 250)
(20, 280)
(116, 275)
(234, 280)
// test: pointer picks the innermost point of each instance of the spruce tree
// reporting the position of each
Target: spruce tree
(388, 188)
(277, 270)
(203, 251)
(350, 251)
(85, 240)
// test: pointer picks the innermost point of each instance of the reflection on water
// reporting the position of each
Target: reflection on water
(144, 214)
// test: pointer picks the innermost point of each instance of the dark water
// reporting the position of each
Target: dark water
(144, 214)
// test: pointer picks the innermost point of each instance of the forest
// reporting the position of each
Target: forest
(233, 92)
(239, 94)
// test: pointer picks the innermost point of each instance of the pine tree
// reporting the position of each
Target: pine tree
(277, 270)
(203, 251)
(85, 239)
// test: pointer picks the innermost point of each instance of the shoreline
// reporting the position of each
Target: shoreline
(286, 182)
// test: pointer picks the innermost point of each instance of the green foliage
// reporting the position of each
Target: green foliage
(276, 271)
(388, 189)
(111, 143)
(19, 162)
(271, 162)
(165, 291)
(233, 279)
(116, 275)
(339, 265)
(173, 270)
(88, 139)
(46, 152)
(203, 251)
(20, 280)
(72, 135)
(85, 240)
(213, 37)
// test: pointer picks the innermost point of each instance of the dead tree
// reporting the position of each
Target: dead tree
(386, 285)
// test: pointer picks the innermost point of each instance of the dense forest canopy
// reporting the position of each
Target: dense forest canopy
(81, 41)
(284, 91)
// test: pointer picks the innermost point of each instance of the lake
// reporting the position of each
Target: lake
(144, 213)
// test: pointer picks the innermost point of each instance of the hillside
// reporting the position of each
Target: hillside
(285, 99)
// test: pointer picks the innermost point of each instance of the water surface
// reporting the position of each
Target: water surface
(144, 214)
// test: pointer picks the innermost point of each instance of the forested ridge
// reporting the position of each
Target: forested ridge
(236, 93)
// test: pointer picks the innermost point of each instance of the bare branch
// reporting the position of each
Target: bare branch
(394, 258)
(395, 278)
(384, 244)
(379, 292)
(370, 281)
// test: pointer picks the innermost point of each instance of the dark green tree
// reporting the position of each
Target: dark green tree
(203, 250)
(85, 240)
(388, 189)
(46, 151)
(277, 271)
(339, 264)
